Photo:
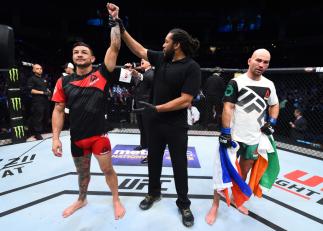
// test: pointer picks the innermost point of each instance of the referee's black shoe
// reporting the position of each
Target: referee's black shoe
(146, 203)
(187, 217)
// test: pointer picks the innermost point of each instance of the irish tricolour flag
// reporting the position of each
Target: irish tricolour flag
(266, 168)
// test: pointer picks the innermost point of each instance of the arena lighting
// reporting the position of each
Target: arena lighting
(243, 22)
(27, 64)
(95, 22)
(212, 49)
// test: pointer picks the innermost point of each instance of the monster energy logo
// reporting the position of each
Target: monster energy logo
(13, 74)
(19, 131)
(16, 103)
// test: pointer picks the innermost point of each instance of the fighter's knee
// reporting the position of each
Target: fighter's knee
(108, 171)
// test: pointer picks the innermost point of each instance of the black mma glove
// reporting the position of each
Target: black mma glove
(145, 107)
(225, 137)
(117, 21)
(112, 22)
(268, 127)
(121, 26)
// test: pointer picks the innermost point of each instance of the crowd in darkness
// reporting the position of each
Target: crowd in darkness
(304, 93)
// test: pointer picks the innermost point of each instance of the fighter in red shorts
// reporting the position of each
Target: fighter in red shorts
(84, 93)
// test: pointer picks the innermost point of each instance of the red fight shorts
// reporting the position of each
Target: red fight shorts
(98, 145)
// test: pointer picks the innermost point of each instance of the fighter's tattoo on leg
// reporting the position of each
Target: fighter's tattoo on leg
(83, 169)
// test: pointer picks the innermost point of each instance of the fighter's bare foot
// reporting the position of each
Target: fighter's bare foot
(211, 215)
(119, 210)
(73, 207)
(243, 210)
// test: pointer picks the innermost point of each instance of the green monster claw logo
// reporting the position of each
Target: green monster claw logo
(13, 74)
(19, 131)
(229, 90)
(16, 103)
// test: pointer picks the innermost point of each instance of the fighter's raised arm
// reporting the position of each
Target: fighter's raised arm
(132, 44)
(111, 55)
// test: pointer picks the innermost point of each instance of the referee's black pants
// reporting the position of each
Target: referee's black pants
(160, 135)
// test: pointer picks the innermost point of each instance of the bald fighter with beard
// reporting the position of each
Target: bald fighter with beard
(248, 99)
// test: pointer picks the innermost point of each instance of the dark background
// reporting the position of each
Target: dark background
(292, 31)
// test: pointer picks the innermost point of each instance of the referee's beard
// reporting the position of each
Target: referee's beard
(169, 55)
